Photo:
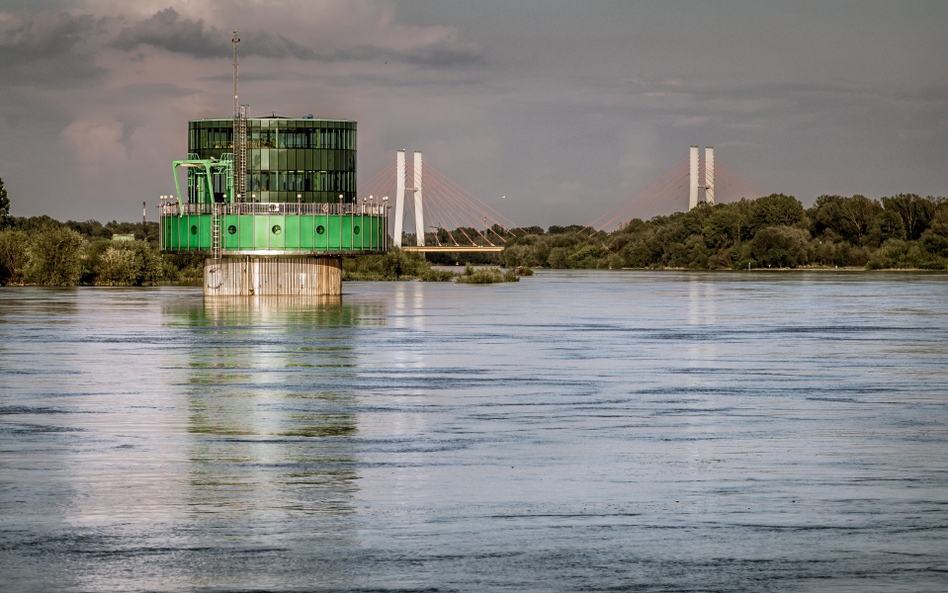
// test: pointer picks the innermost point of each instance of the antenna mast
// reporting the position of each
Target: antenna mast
(239, 135)
(236, 42)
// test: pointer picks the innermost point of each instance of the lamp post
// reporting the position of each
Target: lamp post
(340, 222)
(385, 212)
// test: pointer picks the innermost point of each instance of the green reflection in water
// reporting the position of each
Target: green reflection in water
(271, 409)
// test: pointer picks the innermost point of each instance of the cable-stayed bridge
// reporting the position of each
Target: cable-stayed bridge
(446, 217)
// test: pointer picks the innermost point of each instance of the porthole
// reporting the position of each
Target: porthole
(232, 230)
(276, 230)
(194, 229)
(320, 230)
(356, 230)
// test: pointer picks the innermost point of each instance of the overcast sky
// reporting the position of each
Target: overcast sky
(565, 107)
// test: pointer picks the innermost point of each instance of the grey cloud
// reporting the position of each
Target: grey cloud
(49, 49)
(166, 30)
(32, 36)
(169, 31)
(444, 55)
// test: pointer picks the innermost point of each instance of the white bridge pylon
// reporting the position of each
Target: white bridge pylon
(708, 186)
(416, 190)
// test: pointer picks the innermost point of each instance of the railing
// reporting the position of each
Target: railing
(359, 227)
(172, 208)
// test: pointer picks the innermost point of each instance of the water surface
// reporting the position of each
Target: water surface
(577, 431)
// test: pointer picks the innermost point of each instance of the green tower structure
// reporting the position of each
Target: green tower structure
(275, 214)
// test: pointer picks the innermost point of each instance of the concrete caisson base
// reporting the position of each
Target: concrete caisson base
(273, 276)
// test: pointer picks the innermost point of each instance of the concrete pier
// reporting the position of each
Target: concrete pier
(273, 276)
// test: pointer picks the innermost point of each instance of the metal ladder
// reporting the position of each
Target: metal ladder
(217, 232)
(241, 186)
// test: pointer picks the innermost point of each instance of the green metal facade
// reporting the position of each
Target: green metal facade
(279, 234)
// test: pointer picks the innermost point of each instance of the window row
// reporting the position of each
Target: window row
(299, 181)
(223, 138)
(277, 123)
(292, 159)
(289, 159)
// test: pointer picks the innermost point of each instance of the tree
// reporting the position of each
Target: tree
(891, 226)
(4, 207)
(916, 212)
(780, 246)
(13, 256)
(132, 263)
(55, 257)
(850, 219)
(725, 227)
(776, 210)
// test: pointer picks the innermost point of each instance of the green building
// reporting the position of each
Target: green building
(286, 194)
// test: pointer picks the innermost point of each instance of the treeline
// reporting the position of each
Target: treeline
(42, 251)
(901, 232)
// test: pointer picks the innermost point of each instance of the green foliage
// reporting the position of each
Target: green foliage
(915, 212)
(4, 207)
(771, 231)
(903, 231)
(14, 256)
(129, 263)
(775, 210)
(896, 253)
(55, 257)
(780, 247)
(394, 265)
(487, 276)
(855, 220)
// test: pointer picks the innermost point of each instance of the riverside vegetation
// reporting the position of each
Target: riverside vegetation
(899, 232)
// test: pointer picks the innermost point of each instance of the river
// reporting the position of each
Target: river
(575, 431)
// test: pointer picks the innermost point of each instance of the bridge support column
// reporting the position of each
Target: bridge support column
(419, 204)
(273, 276)
(399, 198)
(693, 179)
(709, 174)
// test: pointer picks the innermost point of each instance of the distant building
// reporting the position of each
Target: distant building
(125, 237)
(275, 215)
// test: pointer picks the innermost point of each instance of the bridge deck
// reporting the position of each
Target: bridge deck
(444, 249)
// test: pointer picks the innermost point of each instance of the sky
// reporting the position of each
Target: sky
(565, 107)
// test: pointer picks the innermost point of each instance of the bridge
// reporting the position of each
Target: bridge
(464, 223)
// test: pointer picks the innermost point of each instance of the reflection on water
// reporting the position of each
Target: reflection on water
(575, 431)
(270, 442)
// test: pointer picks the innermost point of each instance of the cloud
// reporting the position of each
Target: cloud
(49, 48)
(30, 36)
(95, 142)
(430, 46)
(166, 30)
